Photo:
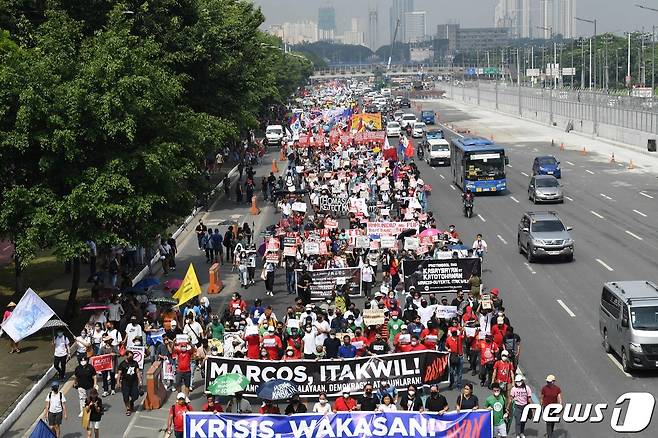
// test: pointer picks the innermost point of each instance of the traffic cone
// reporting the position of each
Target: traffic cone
(492, 137)
(612, 158)
(275, 168)
(631, 165)
(552, 143)
(282, 156)
(584, 151)
(562, 147)
(254, 209)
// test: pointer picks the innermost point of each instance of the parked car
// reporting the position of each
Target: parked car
(392, 129)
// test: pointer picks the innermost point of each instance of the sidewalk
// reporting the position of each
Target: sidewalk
(487, 122)
(21, 371)
(147, 424)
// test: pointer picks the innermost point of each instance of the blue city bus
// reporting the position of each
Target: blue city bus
(478, 164)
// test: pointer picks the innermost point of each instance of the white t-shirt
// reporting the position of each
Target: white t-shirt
(194, 331)
(115, 335)
(426, 313)
(309, 341)
(323, 329)
(61, 342)
(133, 331)
(56, 402)
(323, 409)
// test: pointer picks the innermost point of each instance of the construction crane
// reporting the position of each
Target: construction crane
(395, 35)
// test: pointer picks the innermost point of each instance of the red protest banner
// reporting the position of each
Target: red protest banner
(102, 362)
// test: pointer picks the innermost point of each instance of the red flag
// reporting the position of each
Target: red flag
(409, 151)
(390, 154)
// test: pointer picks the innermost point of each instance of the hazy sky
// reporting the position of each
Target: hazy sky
(612, 15)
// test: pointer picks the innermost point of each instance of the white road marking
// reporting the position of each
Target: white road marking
(501, 239)
(646, 195)
(566, 308)
(453, 187)
(524, 174)
(570, 163)
(620, 164)
(604, 265)
(442, 177)
(509, 165)
(527, 265)
(617, 364)
(480, 216)
(570, 199)
(535, 149)
(514, 199)
(606, 196)
(596, 214)
(633, 234)
(589, 171)
(640, 213)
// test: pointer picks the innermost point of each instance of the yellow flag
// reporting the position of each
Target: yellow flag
(189, 288)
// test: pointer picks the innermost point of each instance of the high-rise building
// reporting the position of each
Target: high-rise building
(296, 33)
(415, 26)
(326, 23)
(463, 40)
(399, 8)
(515, 16)
(558, 16)
(354, 36)
(373, 23)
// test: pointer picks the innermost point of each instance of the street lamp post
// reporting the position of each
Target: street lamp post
(653, 49)
(550, 30)
(591, 84)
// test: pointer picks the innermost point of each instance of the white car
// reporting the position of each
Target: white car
(398, 115)
(408, 119)
(438, 152)
(392, 129)
(274, 134)
(418, 130)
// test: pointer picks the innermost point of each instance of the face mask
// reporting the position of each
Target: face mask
(519, 383)
(395, 318)
(309, 330)
(290, 353)
(346, 395)
(323, 402)
(505, 358)
(332, 336)
(411, 393)
(434, 394)
(83, 362)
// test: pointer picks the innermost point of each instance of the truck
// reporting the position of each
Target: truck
(428, 117)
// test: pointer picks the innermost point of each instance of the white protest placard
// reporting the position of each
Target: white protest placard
(293, 323)
(411, 243)
(362, 242)
(390, 228)
(445, 312)
(138, 354)
(168, 371)
(373, 316)
(311, 247)
(269, 342)
(405, 339)
(470, 331)
(388, 241)
(250, 330)
(299, 206)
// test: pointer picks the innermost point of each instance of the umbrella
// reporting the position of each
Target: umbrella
(164, 300)
(147, 282)
(173, 283)
(228, 384)
(406, 233)
(261, 249)
(54, 323)
(95, 306)
(430, 232)
(276, 389)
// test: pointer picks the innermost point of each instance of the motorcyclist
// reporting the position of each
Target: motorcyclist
(467, 196)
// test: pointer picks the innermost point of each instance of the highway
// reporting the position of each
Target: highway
(554, 305)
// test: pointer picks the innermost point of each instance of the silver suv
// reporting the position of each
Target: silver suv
(542, 234)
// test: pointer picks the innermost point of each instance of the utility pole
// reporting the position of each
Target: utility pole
(582, 59)
(591, 84)
(606, 77)
(572, 67)
(628, 63)
(653, 50)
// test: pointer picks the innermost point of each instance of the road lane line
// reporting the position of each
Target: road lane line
(509, 165)
(535, 149)
(566, 308)
(620, 164)
(480, 216)
(453, 187)
(589, 171)
(524, 174)
(646, 196)
(596, 214)
(442, 177)
(514, 199)
(570, 199)
(640, 213)
(604, 265)
(617, 364)
(527, 265)
(633, 234)
(570, 163)
(501, 239)
(606, 196)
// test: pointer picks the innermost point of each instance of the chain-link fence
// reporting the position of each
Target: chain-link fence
(566, 108)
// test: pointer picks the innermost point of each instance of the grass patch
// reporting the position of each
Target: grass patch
(39, 275)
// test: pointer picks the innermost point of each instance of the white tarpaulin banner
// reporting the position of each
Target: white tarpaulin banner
(30, 315)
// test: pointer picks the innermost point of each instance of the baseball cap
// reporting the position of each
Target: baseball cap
(518, 378)
(495, 291)
(180, 396)
(404, 326)
(270, 329)
(505, 353)
(550, 378)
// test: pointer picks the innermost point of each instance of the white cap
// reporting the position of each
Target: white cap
(518, 378)
(173, 323)
(505, 353)
(181, 396)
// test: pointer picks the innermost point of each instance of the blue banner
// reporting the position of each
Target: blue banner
(466, 424)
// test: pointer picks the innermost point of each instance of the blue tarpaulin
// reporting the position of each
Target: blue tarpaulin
(42, 431)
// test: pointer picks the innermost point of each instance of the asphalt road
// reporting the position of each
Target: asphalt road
(554, 305)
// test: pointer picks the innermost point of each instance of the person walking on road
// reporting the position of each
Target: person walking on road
(61, 344)
(497, 403)
(200, 231)
(129, 380)
(109, 376)
(550, 394)
(95, 406)
(217, 241)
(520, 396)
(14, 345)
(55, 408)
(84, 381)
(269, 269)
(176, 415)
(228, 244)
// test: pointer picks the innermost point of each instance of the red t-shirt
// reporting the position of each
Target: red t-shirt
(297, 348)
(253, 346)
(273, 345)
(550, 393)
(178, 411)
(431, 341)
(504, 371)
(455, 344)
(487, 352)
(269, 409)
(343, 404)
(360, 351)
(498, 333)
(418, 347)
(216, 408)
(183, 359)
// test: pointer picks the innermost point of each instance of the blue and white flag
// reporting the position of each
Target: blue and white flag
(30, 315)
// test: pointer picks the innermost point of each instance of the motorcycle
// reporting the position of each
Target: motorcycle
(408, 130)
(421, 152)
(468, 208)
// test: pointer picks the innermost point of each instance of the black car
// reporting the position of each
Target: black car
(405, 103)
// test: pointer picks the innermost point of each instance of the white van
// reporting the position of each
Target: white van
(438, 152)
(274, 134)
(628, 321)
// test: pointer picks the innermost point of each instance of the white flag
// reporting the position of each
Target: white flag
(30, 315)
